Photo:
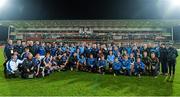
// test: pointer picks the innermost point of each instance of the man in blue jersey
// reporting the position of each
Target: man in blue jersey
(41, 50)
(116, 67)
(102, 63)
(91, 63)
(139, 67)
(110, 60)
(126, 65)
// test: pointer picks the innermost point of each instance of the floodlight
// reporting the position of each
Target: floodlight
(174, 3)
(2, 3)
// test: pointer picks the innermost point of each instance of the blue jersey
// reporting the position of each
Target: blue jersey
(110, 58)
(41, 51)
(64, 59)
(47, 60)
(81, 49)
(139, 65)
(36, 62)
(63, 49)
(91, 61)
(102, 63)
(115, 53)
(8, 50)
(82, 60)
(72, 49)
(116, 65)
(25, 55)
(126, 63)
(35, 47)
(129, 50)
(53, 51)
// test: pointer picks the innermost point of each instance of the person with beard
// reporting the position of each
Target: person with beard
(163, 59)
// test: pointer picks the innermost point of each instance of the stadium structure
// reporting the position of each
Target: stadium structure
(99, 31)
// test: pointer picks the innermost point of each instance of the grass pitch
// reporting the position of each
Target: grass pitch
(88, 84)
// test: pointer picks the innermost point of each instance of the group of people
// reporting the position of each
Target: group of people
(34, 59)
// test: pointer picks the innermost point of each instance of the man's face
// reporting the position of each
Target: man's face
(37, 56)
(145, 54)
(138, 60)
(10, 42)
(91, 56)
(18, 42)
(152, 55)
(14, 57)
(110, 52)
(30, 56)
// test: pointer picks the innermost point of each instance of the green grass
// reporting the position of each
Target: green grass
(88, 84)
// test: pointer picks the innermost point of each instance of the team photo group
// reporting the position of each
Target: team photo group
(34, 59)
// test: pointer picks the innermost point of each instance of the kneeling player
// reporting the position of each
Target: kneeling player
(154, 65)
(47, 64)
(102, 65)
(126, 65)
(116, 67)
(62, 61)
(72, 62)
(81, 63)
(139, 67)
(12, 67)
(37, 66)
(146, 60)
(91, 64)
(28, 67)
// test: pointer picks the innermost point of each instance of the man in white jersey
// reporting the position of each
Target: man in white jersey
(12, 66)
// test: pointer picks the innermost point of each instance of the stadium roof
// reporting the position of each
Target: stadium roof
(90, 23)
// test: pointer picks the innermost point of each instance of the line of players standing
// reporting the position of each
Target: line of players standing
(30, 60)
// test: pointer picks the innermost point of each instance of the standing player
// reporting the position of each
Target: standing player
(172, 55)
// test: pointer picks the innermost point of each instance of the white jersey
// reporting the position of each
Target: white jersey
(12, 65)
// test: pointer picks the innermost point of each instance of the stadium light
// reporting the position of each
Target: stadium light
(3, 3)
(174, 3)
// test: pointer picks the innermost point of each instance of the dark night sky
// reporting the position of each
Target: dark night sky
(87, 9)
